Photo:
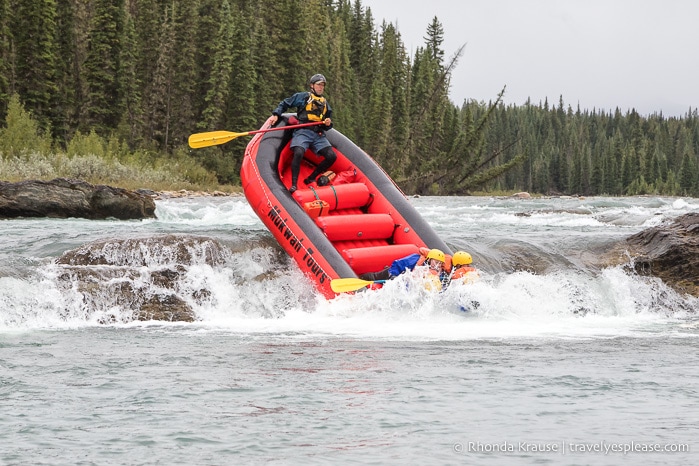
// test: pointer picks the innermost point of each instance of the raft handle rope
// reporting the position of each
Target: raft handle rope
(315, 193)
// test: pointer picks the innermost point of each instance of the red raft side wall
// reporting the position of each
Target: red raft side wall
(273, 209)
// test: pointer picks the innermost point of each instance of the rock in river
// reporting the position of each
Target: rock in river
(140, 278)
(63, 198)
(669, 251)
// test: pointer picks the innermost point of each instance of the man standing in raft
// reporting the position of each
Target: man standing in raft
(310, 107)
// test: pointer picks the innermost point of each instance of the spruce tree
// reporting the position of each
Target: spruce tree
(34, 33)
(688, 174)
(203, 33)
(343, 88)
(185, 72)
(83, 13)
(394, 72)
(434, 40)
(242, 111)
(363, 45)
(5, 56)
(66, 70)
(131, 123)
(160, 100)
(219, 82)
(101, 69)
(268, 90)
(379, 128)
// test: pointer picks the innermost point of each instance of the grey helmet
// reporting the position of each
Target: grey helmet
(316, 78)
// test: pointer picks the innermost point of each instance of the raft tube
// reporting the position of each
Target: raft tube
(361, 222)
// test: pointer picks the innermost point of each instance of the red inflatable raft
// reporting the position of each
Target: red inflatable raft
(358, 223)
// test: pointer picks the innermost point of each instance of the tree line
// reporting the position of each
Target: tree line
(151, 72)
(597, 152)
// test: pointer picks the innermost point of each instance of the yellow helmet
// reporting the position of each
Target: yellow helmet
(461, 258)
(436, 254)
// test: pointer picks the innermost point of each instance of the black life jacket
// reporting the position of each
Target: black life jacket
(315, 109)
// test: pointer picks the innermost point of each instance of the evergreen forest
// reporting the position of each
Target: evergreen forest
(134, 78)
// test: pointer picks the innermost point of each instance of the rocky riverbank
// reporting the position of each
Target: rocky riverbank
(64, 198)
(185, 193)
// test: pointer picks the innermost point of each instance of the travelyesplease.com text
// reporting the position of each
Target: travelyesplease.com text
(601, 447)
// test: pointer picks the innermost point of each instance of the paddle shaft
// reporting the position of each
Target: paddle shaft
(301, 125)
(214, 138)
(345, 285)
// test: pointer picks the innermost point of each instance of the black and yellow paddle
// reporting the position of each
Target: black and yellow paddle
(345, 285)
(214, 138)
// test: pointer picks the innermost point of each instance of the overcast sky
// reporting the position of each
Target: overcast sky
(602, 54)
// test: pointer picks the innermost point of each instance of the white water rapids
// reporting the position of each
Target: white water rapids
(538, 258)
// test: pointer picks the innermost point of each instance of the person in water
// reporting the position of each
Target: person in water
(462, 268)
(310, 107)
(434, 260)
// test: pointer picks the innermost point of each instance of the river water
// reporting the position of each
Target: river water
(559, 360)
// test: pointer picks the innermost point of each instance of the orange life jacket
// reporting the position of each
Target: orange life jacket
(423, 257)
(463, 271)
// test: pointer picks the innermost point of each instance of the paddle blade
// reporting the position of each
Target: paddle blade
(212, 138)
(344, 285)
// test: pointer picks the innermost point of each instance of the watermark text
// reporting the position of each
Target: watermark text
(563, 448)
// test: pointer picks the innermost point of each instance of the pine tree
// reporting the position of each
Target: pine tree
(394, 72)
(268, 91)
(295, 45)
(242, 107)
(66, 105)
(343, 87)
(203, 33)
(434, 40)
(83, 13)
(428, 102)
(363, 45)
(148, 20)
(5, 56)
(597, 183)
(313, 40)
(34, 31)
(387, 119)
(159, 100)
(688, 174)
(379, 130)
(101, 69)
(131, 124)
(220, 78)
(185, 67)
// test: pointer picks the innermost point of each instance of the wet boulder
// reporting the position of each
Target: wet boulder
(170, 308)
(140, 278)
(152, 252)
(669, 251)
(63, 198)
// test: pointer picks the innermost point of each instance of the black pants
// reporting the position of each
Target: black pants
(329, 158)
(380, 275)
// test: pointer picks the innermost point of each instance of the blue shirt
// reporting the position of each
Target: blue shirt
(408, 263)
(401, 265)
